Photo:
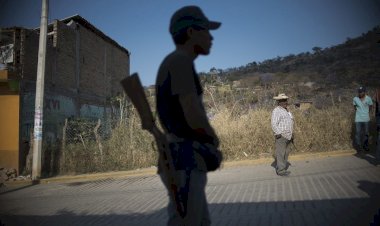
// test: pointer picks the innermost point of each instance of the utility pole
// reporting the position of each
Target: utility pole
(39, 103)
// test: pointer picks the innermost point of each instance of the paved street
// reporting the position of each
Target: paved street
(340, 190)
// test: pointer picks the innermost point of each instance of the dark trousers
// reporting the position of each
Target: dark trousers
(378, 136)
(361, 130)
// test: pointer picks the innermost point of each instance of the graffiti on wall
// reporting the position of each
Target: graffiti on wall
(52, 104)
(91, 111)
(57, 108)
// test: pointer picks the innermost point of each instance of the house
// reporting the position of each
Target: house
(303, 104)
(83, 70)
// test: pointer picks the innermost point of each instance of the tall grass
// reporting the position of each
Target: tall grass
(128, 147)
(242, 136)
(241, 122)
(250, 135)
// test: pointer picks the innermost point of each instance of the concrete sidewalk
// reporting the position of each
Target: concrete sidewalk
(153, 170)
(324, 189)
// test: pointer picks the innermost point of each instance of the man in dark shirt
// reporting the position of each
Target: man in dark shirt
(377, 116)
(183, 116)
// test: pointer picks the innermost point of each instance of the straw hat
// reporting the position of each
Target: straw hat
(281, 96)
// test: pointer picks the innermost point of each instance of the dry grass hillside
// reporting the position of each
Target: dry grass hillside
(356, 61)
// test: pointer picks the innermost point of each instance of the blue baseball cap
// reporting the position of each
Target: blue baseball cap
(188, 16)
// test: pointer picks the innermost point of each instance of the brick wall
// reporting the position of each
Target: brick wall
(79, 64)
(82, 70)
(101, 64)
(64, 62)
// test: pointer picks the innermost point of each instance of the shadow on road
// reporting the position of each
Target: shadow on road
(353, 211)
(372, 156)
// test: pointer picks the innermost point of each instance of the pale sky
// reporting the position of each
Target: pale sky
(251, 30)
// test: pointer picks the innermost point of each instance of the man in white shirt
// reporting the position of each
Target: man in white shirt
(282, 126)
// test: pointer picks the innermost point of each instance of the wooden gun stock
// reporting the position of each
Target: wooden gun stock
(135, 91)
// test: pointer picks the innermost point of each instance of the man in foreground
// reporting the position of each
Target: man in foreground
(183, 117)
(282, 126)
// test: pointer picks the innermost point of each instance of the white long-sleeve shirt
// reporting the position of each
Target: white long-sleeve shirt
(282, 122)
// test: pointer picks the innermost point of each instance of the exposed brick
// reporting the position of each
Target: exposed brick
(93, 72)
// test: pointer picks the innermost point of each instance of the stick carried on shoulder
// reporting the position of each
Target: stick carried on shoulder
(135, 91)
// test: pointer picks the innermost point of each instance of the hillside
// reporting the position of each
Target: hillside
(357, 61)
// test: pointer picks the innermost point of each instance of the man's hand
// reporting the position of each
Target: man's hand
(213, 138)
(196, 117)
(216, 141)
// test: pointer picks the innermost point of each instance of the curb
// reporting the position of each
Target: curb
(297, 156)
(153, 170)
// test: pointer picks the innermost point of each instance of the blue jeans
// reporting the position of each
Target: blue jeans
(362, 127)
(378, 136)
(193, 183)
(190, 184)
